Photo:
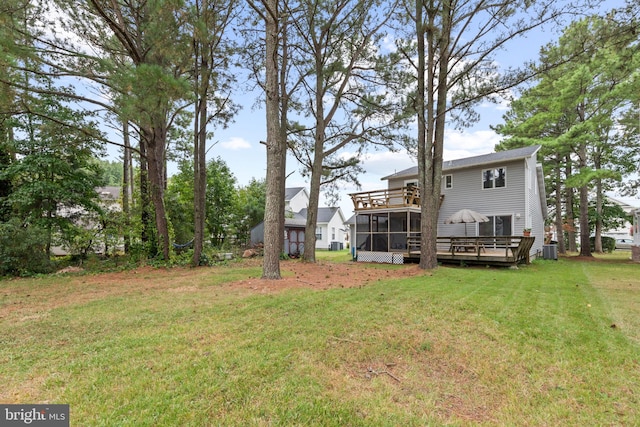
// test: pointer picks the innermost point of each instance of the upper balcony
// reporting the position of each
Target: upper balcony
(402, 197)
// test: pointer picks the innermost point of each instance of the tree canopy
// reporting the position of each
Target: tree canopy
(578, 110)
(338, 79)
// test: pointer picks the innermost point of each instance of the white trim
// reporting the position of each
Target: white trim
(444, 179)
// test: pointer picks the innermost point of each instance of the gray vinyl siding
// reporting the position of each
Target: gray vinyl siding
(399, 183)
(536, 208)
(467, 192)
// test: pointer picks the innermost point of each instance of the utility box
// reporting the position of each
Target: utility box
(336, 246)
(550, 252)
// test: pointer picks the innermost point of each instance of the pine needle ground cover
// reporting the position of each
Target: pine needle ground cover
(553, 343)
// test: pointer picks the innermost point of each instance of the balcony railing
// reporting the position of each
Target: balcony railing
(387, 198)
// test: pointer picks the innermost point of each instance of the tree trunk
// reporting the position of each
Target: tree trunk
(420, 106)
(314, 201)
(156, 139)
(569, 198)
(598, 233)
(585, 245)
(199, 164)
(316, 166)
(49, 234)
(559, 229)
(274, 212)
(570, 222)
(431, 177)
(126, 194)
(146, 234)
(283, 102)
(599, 202)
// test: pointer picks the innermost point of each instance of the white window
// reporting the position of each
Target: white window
(494, 178)
(448, 181)
(319, 233)
(333, 233)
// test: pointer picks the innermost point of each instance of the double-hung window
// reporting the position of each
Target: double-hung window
(494, 178)
(448, 181)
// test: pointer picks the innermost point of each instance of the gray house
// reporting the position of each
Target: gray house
(507, 187)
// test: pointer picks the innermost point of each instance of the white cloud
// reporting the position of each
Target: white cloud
(459, 145)
(236, 143)
(381, 163)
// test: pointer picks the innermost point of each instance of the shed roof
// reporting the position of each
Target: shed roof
(297, 220)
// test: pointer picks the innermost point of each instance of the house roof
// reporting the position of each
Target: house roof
(324, 214)
(290, 193)
(299, 219)
(110, 192)
(484, 159)
(628, 204)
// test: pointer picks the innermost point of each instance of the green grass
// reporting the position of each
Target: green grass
(458, 346)
(341, 256)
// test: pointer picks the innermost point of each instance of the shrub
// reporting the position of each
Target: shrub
(23, 250)
(608, 243)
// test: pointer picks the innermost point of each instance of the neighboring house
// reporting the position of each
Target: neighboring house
(507, 187)
(109, 200)
(295, 199)
(330, 228)
(625, 232)
(630, 231)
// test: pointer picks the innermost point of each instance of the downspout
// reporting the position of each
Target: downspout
(527, 195)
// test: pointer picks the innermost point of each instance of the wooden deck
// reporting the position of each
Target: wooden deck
(498, 250)
(386, 199)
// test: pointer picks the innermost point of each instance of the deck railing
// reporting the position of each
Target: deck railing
(512, 248)
(387, 198)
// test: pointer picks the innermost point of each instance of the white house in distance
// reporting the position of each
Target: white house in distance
(507, 187)
(330, 227)
(629, 233)
(110, 201)
(626, 231)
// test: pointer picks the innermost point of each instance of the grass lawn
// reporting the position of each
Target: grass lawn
(553, 343)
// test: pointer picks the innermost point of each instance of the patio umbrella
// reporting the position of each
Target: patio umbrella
(465, 216)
